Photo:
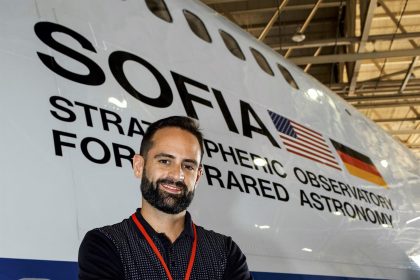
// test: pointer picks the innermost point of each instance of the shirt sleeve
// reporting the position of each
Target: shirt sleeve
(98, 258)
(236, 267)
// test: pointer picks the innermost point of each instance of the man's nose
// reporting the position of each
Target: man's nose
(177, 173)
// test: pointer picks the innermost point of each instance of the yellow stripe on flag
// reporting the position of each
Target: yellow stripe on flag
(366, 175)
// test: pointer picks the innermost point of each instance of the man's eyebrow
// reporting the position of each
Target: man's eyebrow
(164, 155)
(191, 161)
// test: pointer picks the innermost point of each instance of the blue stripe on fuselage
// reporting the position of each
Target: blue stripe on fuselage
(14, 269)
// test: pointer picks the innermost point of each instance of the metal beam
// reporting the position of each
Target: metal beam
(381, 97)
(395, 20)
(390, 75)
(344, 41)
(408, 74)
(335, 58)
(289, 8)
(378, 16)
(210, 2)
(310, 17)
(386, 90)
(317, 52)
(298, 7)
(272, 21)
(398, 36)
(412, 42)
(306, 23)
(404, 131)
(375, 84)
(367, 22)
(350, 31)
(380, 67)
(398, 120)
(413, 146)
(292, 26)
(387, 105)
(316, 43)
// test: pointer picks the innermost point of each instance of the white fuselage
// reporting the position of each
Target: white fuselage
(81, 82)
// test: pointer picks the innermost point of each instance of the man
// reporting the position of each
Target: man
(160, 241)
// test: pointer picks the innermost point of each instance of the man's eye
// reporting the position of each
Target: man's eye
(164, 161)
(189, 167)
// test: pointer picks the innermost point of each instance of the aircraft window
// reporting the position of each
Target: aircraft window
(262, 62)
(289, 78)
(232, 45)
(197, 26)
(159, 9)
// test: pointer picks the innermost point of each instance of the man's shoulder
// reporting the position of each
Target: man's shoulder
(214, 237)
(236, 266)
(115, 231)
(99, 254)
(210, 232)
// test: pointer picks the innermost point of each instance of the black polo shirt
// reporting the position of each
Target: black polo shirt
(99, 257)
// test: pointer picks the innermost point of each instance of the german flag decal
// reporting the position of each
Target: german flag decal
(358, 164)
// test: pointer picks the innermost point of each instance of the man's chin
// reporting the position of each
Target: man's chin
(170, 203)
(170, 209)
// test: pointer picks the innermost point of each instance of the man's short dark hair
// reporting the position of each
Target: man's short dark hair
(185, 123)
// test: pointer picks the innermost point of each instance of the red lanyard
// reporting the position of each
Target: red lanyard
(155, 249)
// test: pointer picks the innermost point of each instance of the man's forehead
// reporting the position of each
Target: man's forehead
(175, 138)
(172, 133)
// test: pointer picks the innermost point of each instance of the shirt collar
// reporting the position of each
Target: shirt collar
(187, 225)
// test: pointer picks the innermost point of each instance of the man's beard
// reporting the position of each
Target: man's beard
(166, 202)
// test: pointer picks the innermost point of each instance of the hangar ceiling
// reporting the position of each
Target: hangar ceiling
(367, 51)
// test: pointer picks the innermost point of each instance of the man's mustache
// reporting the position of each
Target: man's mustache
(169, 181)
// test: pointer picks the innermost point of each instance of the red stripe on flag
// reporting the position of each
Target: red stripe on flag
(314, 159)
(308, 134)
(305, 139)
(315, 140)
(313, 154)
(309, 147)
(308, 129)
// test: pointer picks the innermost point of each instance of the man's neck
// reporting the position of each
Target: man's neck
(170, 224)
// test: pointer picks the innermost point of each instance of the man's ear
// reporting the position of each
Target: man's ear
(138, 164)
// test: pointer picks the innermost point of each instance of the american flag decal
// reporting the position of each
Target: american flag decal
(303, 141)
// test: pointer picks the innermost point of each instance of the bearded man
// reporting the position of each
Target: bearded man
(160, 241)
